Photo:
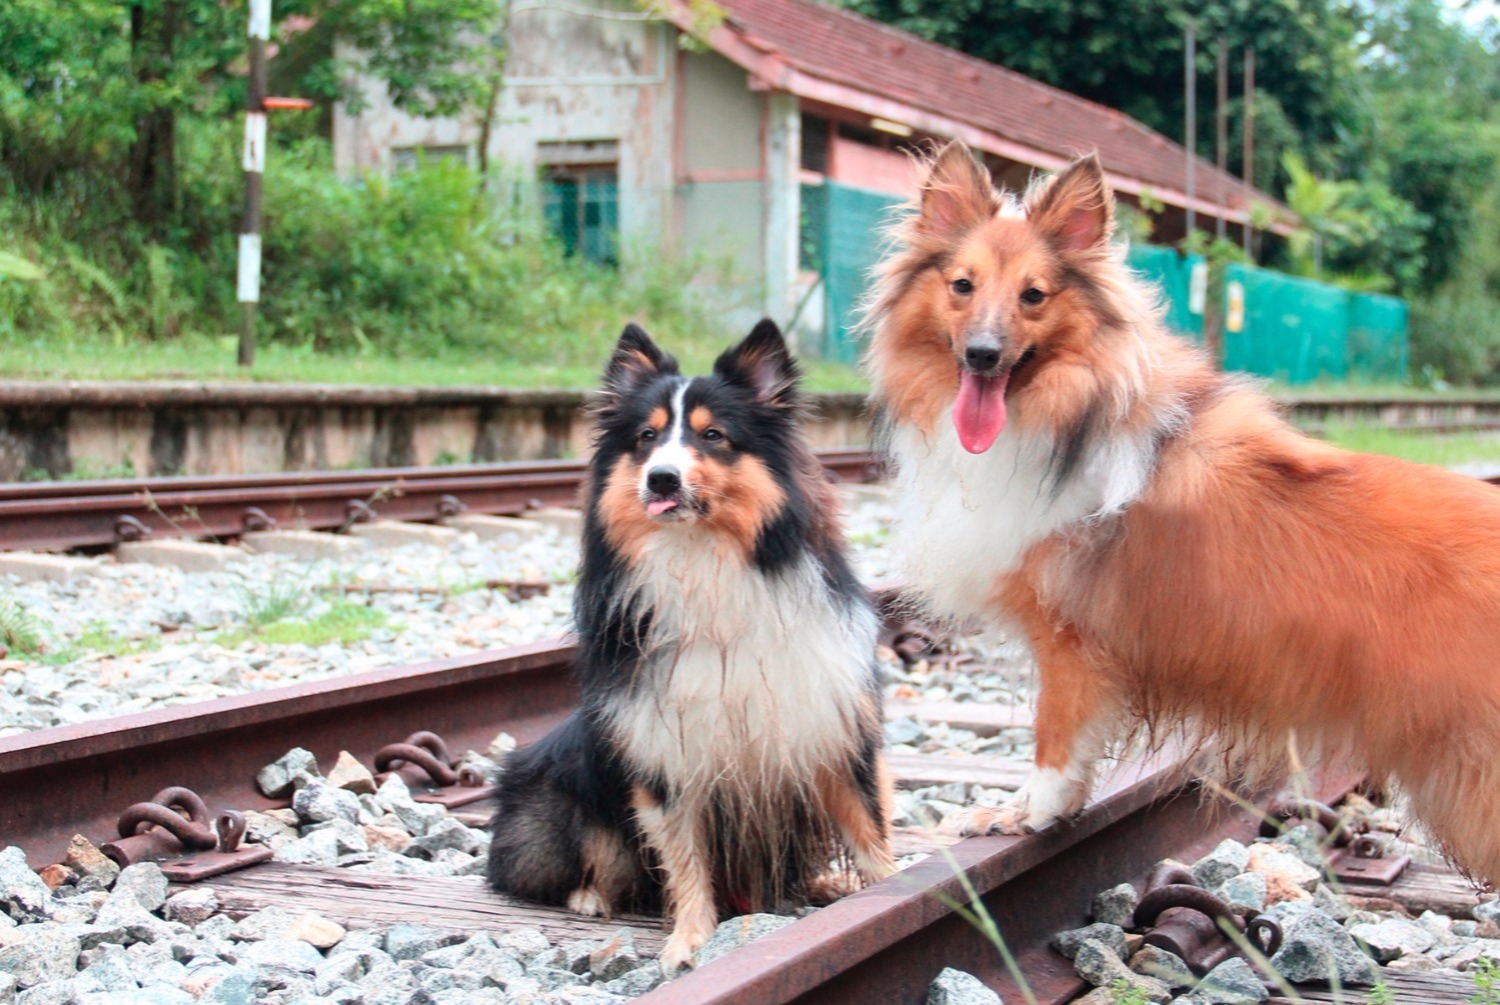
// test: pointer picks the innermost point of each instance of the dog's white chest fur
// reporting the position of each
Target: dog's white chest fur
(963, 520)
(750, 679)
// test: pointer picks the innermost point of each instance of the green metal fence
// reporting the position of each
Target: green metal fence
(1300, 331)
(1173, 273)
(841, 241)
(1377, 337)
(1293, 329)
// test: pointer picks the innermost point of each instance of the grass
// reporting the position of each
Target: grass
(279, 600)
(21, 633)
(344, 621)
(1445, 450)
(27, 636)
(214, 359)
(1486, 976)
(1355, 391)
(98, 638)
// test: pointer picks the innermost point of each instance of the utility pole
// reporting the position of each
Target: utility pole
(1249, 155)
(248, 287)
(1221, 130)
(1189, 86)
(257, 104)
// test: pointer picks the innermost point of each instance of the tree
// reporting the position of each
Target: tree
(1392, 96)
(1433, 133)
(88, 85)
(1128, 54)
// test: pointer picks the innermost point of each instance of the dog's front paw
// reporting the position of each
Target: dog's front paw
(586, 900)
(834, 885)
(979, 821)
(677, 954)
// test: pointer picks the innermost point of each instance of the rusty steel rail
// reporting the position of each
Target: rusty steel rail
(887, 942)
(77, 779)
(45, 516)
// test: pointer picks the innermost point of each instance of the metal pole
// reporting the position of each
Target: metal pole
(1189, 86)
(1221, 130)
(1249, 155)
(255, 166)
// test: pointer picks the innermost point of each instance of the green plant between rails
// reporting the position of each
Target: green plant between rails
(1486, 977)
(342, 621)
(21, 632)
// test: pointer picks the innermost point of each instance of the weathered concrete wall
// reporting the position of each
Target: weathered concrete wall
(720, 193)
(203, 429)
(571, 79)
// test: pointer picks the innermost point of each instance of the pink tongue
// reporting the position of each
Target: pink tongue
(657, 507)
(979, 412)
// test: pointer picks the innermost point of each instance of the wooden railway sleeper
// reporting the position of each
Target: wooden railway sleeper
(434, 776)
(1350, 855)
(1185, 919)
(176, 830)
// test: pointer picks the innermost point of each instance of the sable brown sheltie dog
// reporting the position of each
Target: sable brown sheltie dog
(726, 751)
(1173, 552)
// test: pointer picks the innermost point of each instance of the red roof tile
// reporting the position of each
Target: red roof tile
(797, 45)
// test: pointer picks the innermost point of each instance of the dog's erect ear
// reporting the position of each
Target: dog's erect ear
(1076, 207)
(956, 195)
(636, 359)
(763, 364)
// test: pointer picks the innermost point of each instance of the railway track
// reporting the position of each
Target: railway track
(55, 516)
(884, 944)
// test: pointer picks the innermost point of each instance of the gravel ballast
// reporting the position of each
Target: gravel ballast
(128, 637)
(1329, 935)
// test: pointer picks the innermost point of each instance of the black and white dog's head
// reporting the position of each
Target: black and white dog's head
(717, 451)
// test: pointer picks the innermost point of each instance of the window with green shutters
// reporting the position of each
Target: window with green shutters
(582, 208)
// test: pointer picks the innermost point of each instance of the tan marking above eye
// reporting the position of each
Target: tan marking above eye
(700, 418)
(658, 418)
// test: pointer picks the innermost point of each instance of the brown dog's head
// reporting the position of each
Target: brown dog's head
(991, 290)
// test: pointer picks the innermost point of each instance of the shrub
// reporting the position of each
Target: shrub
(411, 264)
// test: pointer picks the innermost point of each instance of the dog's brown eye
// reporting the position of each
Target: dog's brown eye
(1033, 296)
(647, 435)
(962, 287)
(712, 434)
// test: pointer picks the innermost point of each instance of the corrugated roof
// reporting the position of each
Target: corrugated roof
(829, 54)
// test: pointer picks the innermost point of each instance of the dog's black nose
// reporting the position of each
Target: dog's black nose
(663, 481)
(981, 358)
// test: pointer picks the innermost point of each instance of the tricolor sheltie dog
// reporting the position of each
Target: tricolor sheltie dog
(1172, 551)
(726, 752)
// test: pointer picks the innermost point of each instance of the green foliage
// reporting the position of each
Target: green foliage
(21, 633)
(98, 637)
(278, 600)
(342, 621)
(1129, 54)
(1358, 228)
(418, 264)
(1394, 99)
(1445, 450)
(1486, 977)
(1380, 994)
(92, 92)
(1121, 993)
(1456, 338)
(1456, 330)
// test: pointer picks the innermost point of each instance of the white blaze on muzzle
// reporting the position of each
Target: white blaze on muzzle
(666, 474)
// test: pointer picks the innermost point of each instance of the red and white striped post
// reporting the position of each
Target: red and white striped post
(255, 166)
